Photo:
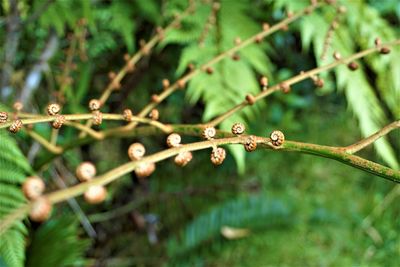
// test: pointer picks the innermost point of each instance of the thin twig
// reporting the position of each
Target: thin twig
(371, 139)
(46, 144)
(93, 133)
(27, 118)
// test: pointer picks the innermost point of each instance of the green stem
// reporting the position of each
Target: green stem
(335, 153)
(338, 154)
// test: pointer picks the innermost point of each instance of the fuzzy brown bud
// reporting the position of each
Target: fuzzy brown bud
(209, 132)
(33, 187)
(250, 99)
(181, 84)
(285, 87)
(94, 104)
(18, 106)
(136, 151)
(97, 117)
(95, 194)
(53, 109)
(337, 56)
(183, 158)
(264, 81)
(352, 66)
(58, 123)
(85, 171)
(277, 138)
(209, 70)
(15, 126)
(238, 128)
(165, 83)
(3, 117)
(145, 169)
(378, 42)
(319, 82)
(174, 140)
(218, 155)
(250, 144)
(384, 50)
(155, 98)
(154, 114)
(40, 210)
(235, 57)
(127, 113)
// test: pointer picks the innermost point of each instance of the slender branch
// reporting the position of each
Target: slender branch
(48, 145)
(302, 76)
(93, 133)
(27, 118)
(371, 139)
(54, 136)
(335, 153)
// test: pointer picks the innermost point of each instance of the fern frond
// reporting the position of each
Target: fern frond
(57, 243)
(248, 212)
(13, 170)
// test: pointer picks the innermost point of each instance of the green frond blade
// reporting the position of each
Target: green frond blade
(57, 243)
(14, 168)
(247, 212)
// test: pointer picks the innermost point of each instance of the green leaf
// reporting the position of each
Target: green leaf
(246, 212)
(57, 243)
(14, 168)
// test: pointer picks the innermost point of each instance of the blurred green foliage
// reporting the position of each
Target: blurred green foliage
(300, 210)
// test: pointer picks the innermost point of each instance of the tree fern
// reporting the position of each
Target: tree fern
(250, 212)
(57, 243)
(13, 169)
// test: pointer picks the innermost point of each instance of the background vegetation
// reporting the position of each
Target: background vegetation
(298, 210)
